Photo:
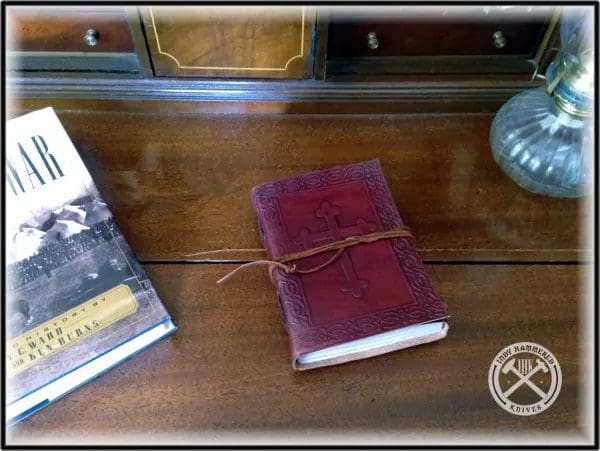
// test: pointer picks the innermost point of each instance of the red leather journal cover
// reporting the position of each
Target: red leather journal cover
(372, 288)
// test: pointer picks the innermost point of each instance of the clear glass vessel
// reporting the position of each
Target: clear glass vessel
(543, 148)
(543, 138)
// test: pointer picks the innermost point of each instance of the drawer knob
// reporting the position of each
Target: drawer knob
(499, 39)
(372, 40)
(91, 37)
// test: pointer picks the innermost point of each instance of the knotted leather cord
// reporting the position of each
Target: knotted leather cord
(338, 246)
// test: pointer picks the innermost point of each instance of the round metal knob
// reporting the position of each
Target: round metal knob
(499, 39)
(91, 37)
(372, 40)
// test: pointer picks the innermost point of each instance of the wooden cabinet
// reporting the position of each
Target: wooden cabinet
(73, 38)
(232, 52)
(280, 42)
(413, 39)
(256, 42)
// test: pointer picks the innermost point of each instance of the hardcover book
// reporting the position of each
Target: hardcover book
(77, 300)
(376, 297)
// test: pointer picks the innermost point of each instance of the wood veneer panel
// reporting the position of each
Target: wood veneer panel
(201, 41)
(227, 369)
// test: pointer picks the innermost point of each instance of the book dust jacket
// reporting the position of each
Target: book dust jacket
(75, 290)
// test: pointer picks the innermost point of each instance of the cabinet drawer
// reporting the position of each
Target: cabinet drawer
(73, 39)
(437, 39)
(429, 38)
(57, 30)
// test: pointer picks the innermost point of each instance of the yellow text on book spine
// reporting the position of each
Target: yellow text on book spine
(68, 328)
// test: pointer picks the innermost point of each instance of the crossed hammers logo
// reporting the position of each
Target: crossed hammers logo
(524, 360)
(524, 379)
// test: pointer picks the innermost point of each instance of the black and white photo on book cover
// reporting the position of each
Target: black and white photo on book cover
(75, 290)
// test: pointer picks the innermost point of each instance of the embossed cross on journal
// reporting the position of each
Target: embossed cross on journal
(335, 232)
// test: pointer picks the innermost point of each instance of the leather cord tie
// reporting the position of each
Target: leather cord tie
(286, 262)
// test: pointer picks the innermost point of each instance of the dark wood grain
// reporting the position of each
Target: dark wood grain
(62, 30)
(180, 183)
(178, 180)
(227, 369)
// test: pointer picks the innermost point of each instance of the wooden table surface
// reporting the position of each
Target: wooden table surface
(510, 265)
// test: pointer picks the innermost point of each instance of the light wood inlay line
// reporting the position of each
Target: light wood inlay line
(162, 52)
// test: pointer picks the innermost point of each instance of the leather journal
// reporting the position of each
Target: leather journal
(365, 291)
